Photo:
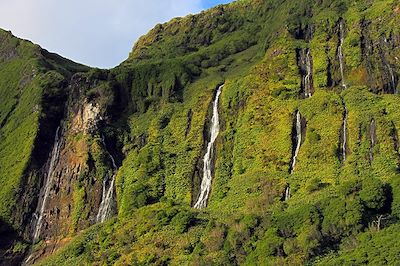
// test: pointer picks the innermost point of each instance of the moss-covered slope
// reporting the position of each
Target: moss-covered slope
(156, 109)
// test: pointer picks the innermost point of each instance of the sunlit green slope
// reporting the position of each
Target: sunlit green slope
(342, 210)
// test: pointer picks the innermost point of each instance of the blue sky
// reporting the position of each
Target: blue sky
(211, 3)
(98, 33)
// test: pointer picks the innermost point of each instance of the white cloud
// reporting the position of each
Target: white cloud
(95, 32)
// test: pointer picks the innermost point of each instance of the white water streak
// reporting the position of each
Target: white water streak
(391, 73)
(393, 81)
(107, 199)
(48, 183)
(287, 193)
(307, 78)
(105, 209)
(208, 157)
(298, 141)
(340, 53)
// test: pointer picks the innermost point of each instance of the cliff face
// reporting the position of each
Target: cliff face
(78, 167)
(105, 166)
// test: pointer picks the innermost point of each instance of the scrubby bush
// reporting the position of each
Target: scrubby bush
(373, 193)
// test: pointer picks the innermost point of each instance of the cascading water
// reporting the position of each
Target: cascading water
(389, 68)
(287, 193)
(340, 52)
(208, 157)
(345, 114)
(297, 142)
(308, 75)
(37, 219)
(105, 209)
(392, 78)
(107, 200)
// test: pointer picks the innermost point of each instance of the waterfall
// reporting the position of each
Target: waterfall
(105, 209)
(340, 52)
(344, 136)
(392, 78)
(391, 72)
(308, 75)
(297, 142)
(45, 193)
(107, 199)
(304, 62)
(208, 157)
(287, 193)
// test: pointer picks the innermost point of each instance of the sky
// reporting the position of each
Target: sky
(98, 33)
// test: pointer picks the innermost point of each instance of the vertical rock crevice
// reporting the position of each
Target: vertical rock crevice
(304, 57)
(367, 51)
(329, 77)
(297, 139)
(298, 136)
(340, 55)
(73, 177)
(304, 61)
(389, 76)
(48, 183)
(382, 76)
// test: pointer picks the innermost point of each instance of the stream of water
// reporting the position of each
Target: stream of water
(107, 199)
(45, 192)
(340, 52)
(208, 157)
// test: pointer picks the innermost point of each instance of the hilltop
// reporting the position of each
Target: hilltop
(105, 166)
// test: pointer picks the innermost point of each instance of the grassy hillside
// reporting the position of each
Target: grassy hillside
(27, 78)
(31, 82)
(340, 211)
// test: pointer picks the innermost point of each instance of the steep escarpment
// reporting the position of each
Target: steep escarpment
(32, 82)
(77, 185)
(126, 166)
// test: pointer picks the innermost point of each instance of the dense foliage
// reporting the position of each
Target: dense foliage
(341, 212)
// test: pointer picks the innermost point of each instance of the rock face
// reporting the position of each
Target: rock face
(68, 203)
(306, 69)
(299, 152)
(86, 119)
(376, 54)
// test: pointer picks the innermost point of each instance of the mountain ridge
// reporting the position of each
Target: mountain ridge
(305, 165)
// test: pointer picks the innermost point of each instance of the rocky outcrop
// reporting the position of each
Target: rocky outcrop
(86, 119)
(340, 55)
(382, 76)
(304, 61)
(72, 179)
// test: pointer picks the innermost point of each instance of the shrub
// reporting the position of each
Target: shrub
(373, 193)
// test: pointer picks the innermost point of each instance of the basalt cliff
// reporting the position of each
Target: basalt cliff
(261, 132)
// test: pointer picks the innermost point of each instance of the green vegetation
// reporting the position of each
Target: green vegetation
(158, 106)
(30, 89)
